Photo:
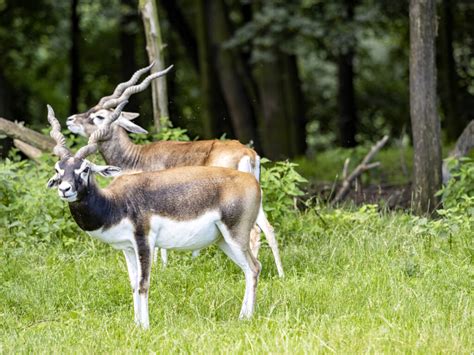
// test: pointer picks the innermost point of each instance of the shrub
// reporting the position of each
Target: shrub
(281, 186)
(29, 213)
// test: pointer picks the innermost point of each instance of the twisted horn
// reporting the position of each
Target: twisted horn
(60, 149)
(136, 88)
(122, 86)
(100, 134)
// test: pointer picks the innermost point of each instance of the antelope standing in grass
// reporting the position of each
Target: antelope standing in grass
(180, 208)
(117, 148)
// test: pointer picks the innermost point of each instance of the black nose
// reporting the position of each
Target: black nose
(66, 189)
(70, 119)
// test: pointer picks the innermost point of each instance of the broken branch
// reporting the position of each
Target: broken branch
(362, 167)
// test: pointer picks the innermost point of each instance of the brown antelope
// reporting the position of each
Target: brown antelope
(117, 148)
(181, 208)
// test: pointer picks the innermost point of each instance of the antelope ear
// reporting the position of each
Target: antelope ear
(130, 115)
(130, 126)
(52, 182)
(106, 170)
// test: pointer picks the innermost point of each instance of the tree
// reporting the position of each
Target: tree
(231, 71)
(448, 77)
(75, 78)
(155, 48)
(127, 34)
(346, 95)
(214, 110)
(424, 117)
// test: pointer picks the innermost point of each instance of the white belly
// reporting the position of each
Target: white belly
(185, 235)
(120, 236)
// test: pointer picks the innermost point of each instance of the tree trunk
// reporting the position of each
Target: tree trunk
(282, 130)
(346, 100)
(213, 112)
(128, 64)
(230, 71)
(448, 89)
(155, 48)
(181, 26)
(346, 97)
(74, 60)
(424, 118)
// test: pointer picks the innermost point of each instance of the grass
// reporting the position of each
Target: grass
(360, 281)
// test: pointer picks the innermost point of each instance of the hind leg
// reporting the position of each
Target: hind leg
(255, 243)
(267, 228)
(242, 256)
(164, 256)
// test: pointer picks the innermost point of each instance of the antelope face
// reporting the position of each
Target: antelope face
(81, 123)
(73, 177)
(88, 122)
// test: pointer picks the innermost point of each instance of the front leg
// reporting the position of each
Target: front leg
(144, 255)
(132, 266)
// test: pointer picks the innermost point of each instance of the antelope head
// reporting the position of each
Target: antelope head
(73, 171)
(90, 121)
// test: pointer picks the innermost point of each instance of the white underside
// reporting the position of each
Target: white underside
(165, 233)
(120, 236)
(185, 235)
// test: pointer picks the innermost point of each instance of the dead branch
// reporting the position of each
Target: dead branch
(30, 151)
(362, 167)
(18, 131)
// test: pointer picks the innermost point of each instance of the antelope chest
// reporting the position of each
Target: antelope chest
(192, 234)
(119, 236)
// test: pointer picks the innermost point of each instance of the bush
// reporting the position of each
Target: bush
(281, 186)
(28, 211)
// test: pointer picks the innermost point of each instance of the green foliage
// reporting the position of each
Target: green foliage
(167, 133)
(459, 191)
(458, 201)
(29, 213)
(281, 185)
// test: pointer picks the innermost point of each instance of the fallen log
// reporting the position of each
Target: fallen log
(362, 167)
(30, 151)
(16, 130)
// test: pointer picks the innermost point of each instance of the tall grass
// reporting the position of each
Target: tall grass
(356, 282)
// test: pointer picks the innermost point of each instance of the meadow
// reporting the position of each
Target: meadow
(358, 279)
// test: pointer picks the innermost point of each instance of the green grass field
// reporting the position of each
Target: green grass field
(355, 281)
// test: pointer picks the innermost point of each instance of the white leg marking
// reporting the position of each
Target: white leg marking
(143, 287)
(132, 266)
(164, 257)
(267, 228)
(249, 265)
(144, 320)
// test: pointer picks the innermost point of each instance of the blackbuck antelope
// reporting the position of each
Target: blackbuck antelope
(118, 150)
(180, 208)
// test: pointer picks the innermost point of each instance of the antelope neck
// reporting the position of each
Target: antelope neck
(120, 150)
(94, 210)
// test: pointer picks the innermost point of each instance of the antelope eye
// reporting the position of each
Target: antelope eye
(100, 117)
(86, 170)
